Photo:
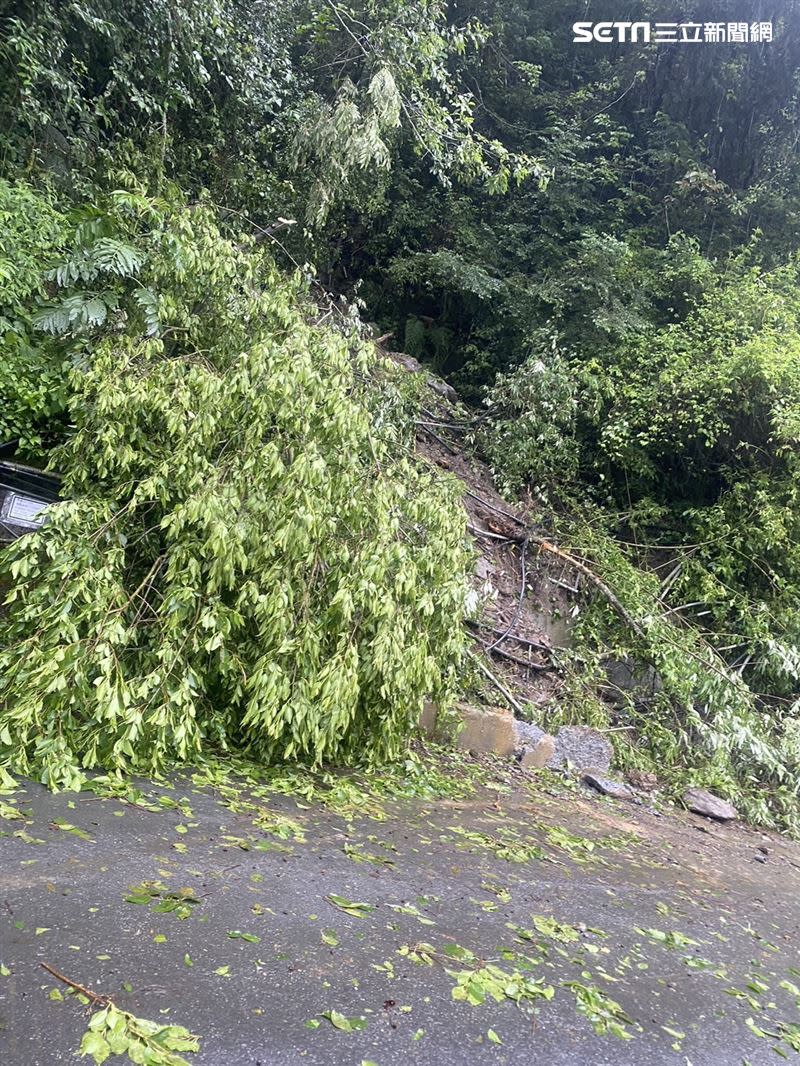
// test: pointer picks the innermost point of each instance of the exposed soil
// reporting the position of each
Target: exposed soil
(518, 627)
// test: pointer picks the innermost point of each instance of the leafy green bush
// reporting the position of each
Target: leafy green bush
(32, 371)
(291, 108)
(707, 722)
(700, 403)
(242, 558)
(530, 435)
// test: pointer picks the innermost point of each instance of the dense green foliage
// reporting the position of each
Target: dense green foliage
(596, 244)
(644, 144)
(31, 371)
(241, 560)
(281, 109)
(631, 333)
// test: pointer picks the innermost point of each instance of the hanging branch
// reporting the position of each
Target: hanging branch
(598, 583)
(501, 688)
(539, 644)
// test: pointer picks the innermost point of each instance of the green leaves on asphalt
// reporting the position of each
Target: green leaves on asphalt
(162, 899)
(116, 1032)
(344, 1024)
(355, 910)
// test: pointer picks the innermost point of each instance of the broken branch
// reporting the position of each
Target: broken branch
(576, 564)
(497, 683)
(518, 659)
(100, 1001)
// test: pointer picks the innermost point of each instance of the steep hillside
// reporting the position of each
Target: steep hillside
(537, 649)
(597, 246)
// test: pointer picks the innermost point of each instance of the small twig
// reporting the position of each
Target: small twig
(684, 607)
(486, 533)
(670, 579)
(444, 444)
(616, 100)
(101, 1001)
(512, 636)
(442, 425)
(519, 660)
(497, 683)
(460, 423)
(740, 671)
(564, 585)
(498, 510)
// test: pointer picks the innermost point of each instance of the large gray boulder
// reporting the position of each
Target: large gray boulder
(583, 748)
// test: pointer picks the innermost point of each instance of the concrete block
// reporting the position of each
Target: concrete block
(486, 729)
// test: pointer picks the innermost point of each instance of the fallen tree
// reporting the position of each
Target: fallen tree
(236, 563)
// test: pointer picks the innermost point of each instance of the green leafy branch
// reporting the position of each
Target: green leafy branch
(113, 1031)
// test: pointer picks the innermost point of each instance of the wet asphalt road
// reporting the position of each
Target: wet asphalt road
(675, 919)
